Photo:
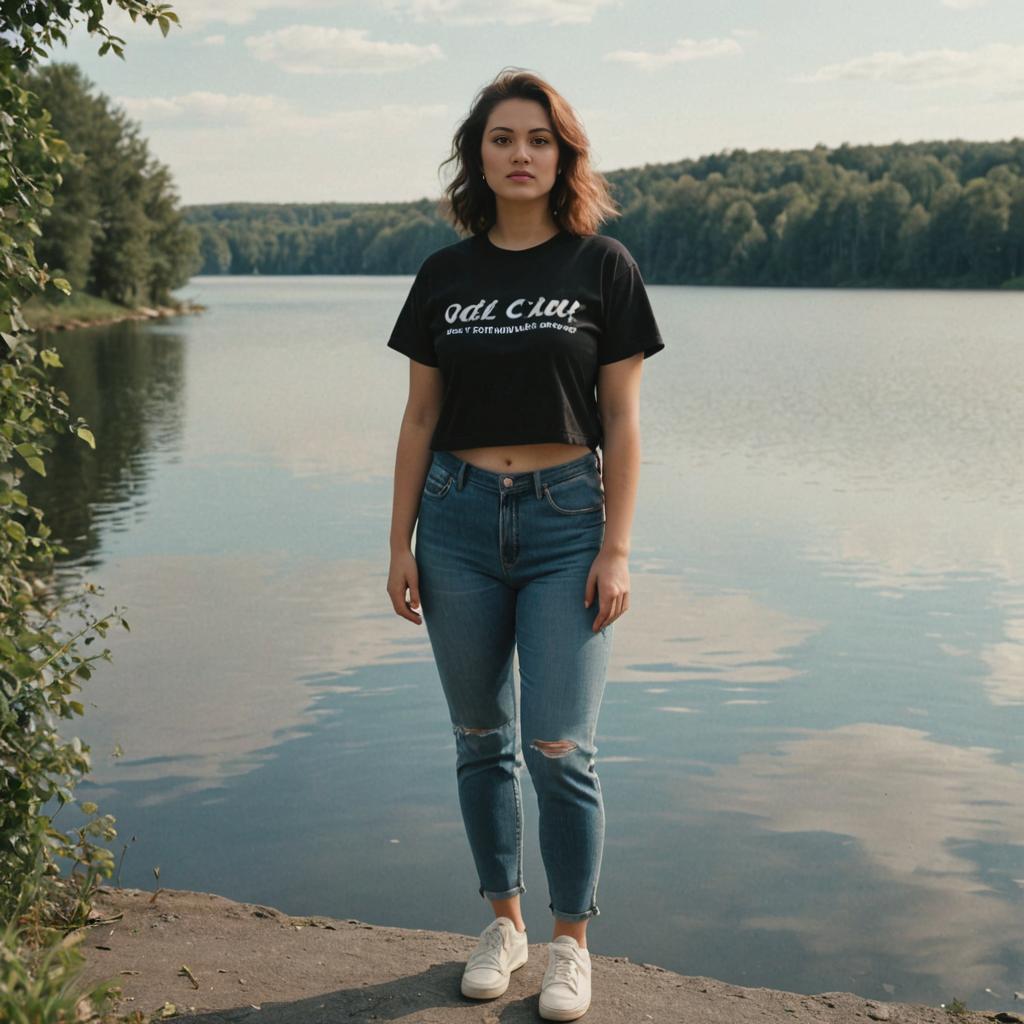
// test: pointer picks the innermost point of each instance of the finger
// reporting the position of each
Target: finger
(402, 609)
(588, 592)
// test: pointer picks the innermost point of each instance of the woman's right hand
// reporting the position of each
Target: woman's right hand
(404, 575)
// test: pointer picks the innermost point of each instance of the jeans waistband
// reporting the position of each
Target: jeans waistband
(521, 483)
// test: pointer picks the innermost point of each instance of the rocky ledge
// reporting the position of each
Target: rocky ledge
(180, 954)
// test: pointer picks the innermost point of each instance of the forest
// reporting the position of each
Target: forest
(115, 229)
(923, 214)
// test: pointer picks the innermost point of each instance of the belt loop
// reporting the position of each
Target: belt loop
(536, 484)
(598, 457)
(460, 477)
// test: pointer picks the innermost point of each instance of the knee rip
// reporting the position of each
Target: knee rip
(478, 732)
(554, 748)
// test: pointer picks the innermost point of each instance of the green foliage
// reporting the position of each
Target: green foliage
(36, 26)
(41, 668)
(42, 313)
(30, 153)
(42, 664)
(945, 214)
(40, 968)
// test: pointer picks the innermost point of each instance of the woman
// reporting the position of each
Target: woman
(526, 341)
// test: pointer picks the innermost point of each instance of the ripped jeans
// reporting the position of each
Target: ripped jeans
(503, 561)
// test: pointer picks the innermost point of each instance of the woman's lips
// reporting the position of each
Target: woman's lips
(521, 177)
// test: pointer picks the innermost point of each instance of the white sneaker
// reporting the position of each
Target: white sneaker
(565, 990)
(502, 948)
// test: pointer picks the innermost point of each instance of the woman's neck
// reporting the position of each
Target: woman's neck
(521, 228)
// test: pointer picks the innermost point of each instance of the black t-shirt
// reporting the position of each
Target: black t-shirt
(519, 334)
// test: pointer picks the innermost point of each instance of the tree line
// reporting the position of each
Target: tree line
(115, 228)
(923, 214)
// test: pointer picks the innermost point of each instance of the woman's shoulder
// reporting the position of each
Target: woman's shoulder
(450, 256)
(608, 251)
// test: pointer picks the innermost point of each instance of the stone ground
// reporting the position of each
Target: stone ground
(217, 960)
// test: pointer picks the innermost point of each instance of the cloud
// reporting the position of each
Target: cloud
(682, 50)
(269, 113)
(998, 65)
(199, 13)
(483, 12)
(262, 148)
(317, 50)
(964, 5)
(198, 107)
(214, 41)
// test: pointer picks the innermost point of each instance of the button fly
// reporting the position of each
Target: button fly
(507, 481)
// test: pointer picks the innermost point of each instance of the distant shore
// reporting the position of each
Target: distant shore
(177, 953)
(83, 310)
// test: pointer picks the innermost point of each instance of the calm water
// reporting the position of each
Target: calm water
(810, 746)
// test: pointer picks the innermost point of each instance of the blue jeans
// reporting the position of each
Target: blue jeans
(503, 561)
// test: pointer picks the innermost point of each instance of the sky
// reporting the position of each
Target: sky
(337, 100)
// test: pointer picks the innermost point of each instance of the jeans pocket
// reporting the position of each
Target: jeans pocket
(437, 482)
(577, 495)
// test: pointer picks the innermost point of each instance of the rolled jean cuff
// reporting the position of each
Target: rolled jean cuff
(508, 894)
(592, 912)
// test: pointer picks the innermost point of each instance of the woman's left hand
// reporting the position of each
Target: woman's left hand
(609, 574)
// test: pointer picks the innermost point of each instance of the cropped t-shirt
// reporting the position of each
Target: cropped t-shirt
(519, 334)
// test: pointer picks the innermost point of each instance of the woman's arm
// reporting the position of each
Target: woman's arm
(412, 461)
(618, 400)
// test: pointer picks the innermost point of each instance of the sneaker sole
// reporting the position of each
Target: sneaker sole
(472, 991)
(567, 1014)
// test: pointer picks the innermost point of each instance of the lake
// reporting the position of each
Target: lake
(810, 746)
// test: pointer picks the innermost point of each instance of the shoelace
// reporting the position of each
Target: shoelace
(566, 965)
(489, 949)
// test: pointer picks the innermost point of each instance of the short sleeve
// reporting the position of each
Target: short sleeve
(411, 333)
(629, 323)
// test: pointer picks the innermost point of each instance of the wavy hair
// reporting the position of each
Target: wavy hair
(580, 198)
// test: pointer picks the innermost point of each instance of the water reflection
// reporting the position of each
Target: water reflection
(127, 381)
(920, 814)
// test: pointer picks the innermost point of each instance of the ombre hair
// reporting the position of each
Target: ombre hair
(580, 199)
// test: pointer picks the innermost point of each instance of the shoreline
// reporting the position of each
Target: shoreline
(180, 953)
(91, 312)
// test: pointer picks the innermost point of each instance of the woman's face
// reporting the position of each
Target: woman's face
(519, 137)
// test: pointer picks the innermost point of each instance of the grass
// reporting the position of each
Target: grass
(75, 310)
